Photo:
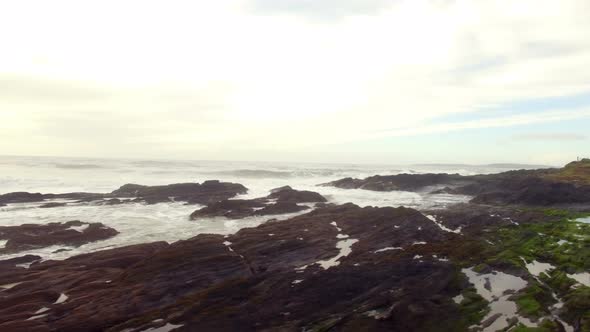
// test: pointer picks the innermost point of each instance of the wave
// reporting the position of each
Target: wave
(78, 166)
(256, 173)
(280, 174)
(163, 163)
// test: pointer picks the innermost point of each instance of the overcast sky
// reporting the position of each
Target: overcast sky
(297, 80)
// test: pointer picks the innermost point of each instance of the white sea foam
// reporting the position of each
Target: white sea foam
(443, 227)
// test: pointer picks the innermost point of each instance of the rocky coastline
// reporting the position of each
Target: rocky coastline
(514, 258)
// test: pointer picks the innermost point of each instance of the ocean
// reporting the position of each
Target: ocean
(140, 223)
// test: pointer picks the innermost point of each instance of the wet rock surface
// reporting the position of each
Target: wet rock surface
(288, 194)
(406, 182)
(524, 187)
(280, 201)
(190, 193)
(337, 268)
(33, 236)
(268, 277)
(20, 197)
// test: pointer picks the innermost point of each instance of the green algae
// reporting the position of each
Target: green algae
(577, 172)
(541, 241)
(577, 305)
(558, 281)
(545, 326)
(534, 300)
(473, 307)
(556, 238)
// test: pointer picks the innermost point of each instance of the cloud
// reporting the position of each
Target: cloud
(19, 88)
(229, 75)
(322, 9)
(549, 137)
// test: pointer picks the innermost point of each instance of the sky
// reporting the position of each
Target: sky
(367, 81)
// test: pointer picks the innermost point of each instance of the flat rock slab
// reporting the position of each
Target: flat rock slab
(34, 236)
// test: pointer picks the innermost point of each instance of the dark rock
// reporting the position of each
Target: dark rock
(273, 277)
(32, 236)
(192, 193)
(113, 201)
(80, 197)
(522, 187)
(272, 191)
(490, 320)
(21, 197)
(280, 201)
(281, 207)
(52, 205)
(234, 208)
(534, 191)
(406, 182)
(288, 194)
(20, 260)
(246, 281)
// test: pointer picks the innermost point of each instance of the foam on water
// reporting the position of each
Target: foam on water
(443, 227)
(136, 223)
